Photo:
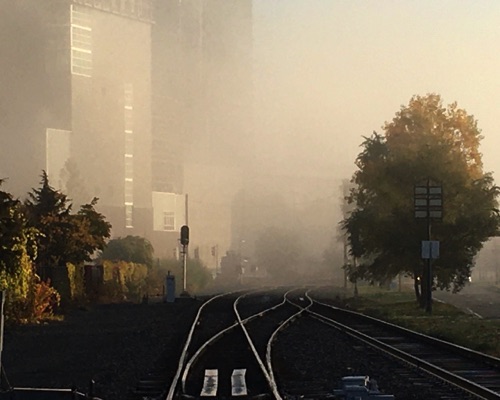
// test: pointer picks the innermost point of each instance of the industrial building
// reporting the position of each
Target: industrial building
(136, 102)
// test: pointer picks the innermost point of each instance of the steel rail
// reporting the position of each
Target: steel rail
(494, 361)
(266, 369)
(274, 388)
(217, 336)
(269, 379)
(446, 376)
(180, 365)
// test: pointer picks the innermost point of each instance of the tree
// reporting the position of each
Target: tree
(27, 299)
(424, 141)
(12, 228)
(48, 212)
(131, 249)
(15, 241)
(90, 232)
(64, 237)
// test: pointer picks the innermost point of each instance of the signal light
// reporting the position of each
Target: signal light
(184, 235)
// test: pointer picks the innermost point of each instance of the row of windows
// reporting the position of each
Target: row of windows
(129, 96)
(168, 221)
(141, 9)
(80, 17)
(129, 214)
(81, 38)
(128, 119)
(81, 63)
(129, 191)
(129, 142)
(81, 42)
(129, 166)
(129, 153)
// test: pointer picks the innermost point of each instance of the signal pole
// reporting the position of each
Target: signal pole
(428, 202)
(184, 243)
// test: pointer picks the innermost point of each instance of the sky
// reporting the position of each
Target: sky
(328, 72)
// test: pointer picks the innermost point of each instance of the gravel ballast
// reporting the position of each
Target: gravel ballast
(113, 345)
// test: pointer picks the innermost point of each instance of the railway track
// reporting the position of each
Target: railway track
(287, 344)
(230, 358)
(428, 368)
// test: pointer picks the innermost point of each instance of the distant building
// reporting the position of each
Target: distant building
(76, 101)
(203, 111)
(136, 102)
(76, 88)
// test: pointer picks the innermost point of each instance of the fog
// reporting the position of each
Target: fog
(264, 115)
(328, 73)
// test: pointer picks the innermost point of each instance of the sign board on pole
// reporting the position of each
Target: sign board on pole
(428, 201)
(430, 249)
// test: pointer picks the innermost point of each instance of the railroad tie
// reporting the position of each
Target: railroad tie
(238, 384)
(210, 383)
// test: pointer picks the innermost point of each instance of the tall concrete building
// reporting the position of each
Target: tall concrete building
(203, 112)
(76, 102)
(136, 102)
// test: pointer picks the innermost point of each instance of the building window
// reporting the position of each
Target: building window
(81, 42)
(129, 120)
(129, 192)
(129, 96)
(129, 167)
(129, 153)
(129, 214)
(129, 143)
(168, 221)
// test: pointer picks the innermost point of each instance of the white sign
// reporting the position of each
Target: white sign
(430, 249)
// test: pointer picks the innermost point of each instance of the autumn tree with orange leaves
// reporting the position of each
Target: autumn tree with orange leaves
(424, 141)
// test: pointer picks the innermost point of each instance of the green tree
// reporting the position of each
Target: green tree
(424, 141)
(64, 237)
(90, 232)
(48, 212)
(12, 232)
(27, 299)
(15, 241)
(131, 249)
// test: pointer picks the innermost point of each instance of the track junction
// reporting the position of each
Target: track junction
(297, 343)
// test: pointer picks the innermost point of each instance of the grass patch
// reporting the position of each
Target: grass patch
(446, 322)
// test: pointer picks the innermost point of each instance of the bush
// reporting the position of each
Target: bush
(45, 300)
(124, 281)
(76, 282)
(39, 304)
(28, 299)
(198, 276)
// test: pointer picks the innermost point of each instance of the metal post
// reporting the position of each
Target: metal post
(185, 246)
(2, 303)
(428, 302)
(346, 261)
(184, 266)
(429, 205)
